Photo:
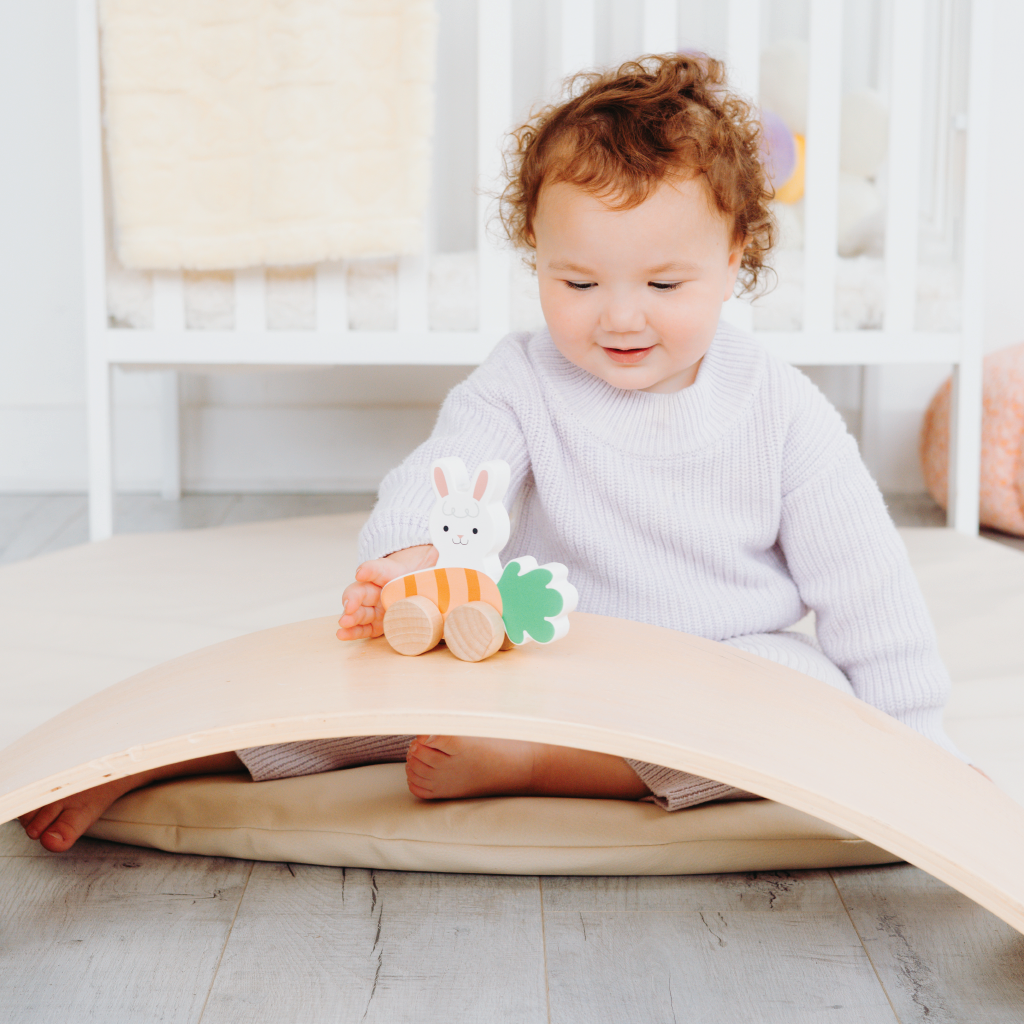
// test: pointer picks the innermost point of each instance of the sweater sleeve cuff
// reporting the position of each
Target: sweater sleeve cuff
(391, 531)
(674, 790)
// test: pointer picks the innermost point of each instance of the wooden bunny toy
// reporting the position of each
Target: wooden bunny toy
(467, 598)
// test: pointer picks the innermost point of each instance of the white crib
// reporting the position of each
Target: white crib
(169, 346)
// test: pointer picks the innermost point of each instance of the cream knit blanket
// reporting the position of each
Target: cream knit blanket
(246, 132)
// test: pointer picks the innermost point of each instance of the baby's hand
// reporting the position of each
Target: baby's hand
(363, 615)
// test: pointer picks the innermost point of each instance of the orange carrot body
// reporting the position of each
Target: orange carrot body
(447, 588)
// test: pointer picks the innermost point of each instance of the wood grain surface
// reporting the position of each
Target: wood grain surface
(698, 706)
(321, 945)
(939, 956)
(115, 933)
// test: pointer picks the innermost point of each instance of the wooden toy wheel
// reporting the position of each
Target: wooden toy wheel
(413, 625)
(474, 631)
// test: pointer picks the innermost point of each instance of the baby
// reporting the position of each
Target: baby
(685, 477)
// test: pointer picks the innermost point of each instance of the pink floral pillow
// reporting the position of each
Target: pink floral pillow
(1002, 434)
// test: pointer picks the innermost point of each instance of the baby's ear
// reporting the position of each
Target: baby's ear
(449, 475)
(491, 482)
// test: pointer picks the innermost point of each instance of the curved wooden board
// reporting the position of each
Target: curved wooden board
(620, 687)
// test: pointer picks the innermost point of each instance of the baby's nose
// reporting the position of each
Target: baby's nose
(622, 316)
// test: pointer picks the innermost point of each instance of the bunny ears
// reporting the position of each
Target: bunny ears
(449, 476)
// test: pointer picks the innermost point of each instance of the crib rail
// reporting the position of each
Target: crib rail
(169, 344)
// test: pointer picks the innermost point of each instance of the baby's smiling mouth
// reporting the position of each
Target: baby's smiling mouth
(627, 355)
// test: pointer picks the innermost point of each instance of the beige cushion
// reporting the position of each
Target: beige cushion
(365, 817)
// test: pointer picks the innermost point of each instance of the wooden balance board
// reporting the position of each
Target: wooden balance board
(619, 687)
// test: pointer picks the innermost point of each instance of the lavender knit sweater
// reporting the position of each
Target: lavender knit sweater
(726, 509)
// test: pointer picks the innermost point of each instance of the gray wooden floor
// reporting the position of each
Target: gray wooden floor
(117, 934)
(35, 524)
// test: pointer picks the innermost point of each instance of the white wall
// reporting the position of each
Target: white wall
(336, 429)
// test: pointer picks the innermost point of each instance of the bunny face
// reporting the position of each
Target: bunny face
(469, 525)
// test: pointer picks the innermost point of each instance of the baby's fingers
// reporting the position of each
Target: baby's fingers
(360, 595)
(359, 616)
(355, 632)
(362, 631)
(379, 571)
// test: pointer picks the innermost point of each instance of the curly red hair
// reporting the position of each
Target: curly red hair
(620, 133)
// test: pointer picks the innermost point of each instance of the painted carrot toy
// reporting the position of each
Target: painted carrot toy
(467, 598)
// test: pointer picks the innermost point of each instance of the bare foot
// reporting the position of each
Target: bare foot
(58, 826)
(442, 767)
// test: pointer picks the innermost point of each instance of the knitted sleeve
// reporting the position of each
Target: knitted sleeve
(851, 567)
(478, 421)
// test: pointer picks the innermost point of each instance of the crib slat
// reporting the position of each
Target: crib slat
(743, 43)
(660, 33)
(331, 298)
(250, 300)
(169, 316)
(822, 174)
(903, 212)
(168, 301)
(99, 413)
(743, 58)
(965, 419)
(412, 295)
(494, 115)
(576, 36)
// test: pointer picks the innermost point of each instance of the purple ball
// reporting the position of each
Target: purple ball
(778, 149)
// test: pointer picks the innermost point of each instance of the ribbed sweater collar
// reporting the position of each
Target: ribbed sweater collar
(657, 425)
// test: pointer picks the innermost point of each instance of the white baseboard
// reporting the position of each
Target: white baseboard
(256, 436)
(234, 449)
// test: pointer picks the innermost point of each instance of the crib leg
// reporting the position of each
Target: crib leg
(170, 430)
(965, 448)
(101, 450)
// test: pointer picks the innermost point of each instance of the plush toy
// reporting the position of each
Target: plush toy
(864, 130)
(782, 154)
(1002, 442)
(467, 598)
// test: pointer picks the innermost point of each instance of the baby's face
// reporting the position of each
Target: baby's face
(634, 296)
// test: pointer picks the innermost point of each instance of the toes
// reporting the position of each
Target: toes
(35, 821)
(418, 784)
(444, 744)
(63, 833)
(431, 757)
(56, 826)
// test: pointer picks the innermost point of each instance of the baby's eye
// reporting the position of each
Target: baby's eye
(664, 286)
(581, 286)
(475, 530)
(446, 529)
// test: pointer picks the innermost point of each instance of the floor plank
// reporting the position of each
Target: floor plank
(148, 513)
(941, 957)
(48, 521)
(250, 508)
(316, 944)
(914, 510)
(34, 524)
(15, 509)
(14, 842)
(113, 934)
(770, 948)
